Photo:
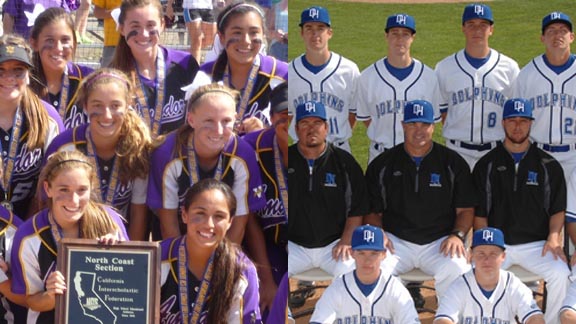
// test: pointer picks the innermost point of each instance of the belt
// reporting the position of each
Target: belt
(475, 147)
(557, 148)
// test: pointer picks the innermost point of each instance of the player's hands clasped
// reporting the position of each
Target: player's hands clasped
(453, 246)
(342, 251)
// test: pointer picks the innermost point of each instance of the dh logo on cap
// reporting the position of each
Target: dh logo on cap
(519, 106)
(401, 19)
(314, 13)
(487, 236)
(310, 107)
(555, 15)
(479, 10)
(368, 236)
(418, 110)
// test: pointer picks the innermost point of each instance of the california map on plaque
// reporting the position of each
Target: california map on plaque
(92, 304)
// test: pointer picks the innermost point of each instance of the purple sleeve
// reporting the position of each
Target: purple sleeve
(12, 8)
(18, 284)
(256, 198)
(278, 312)
(158, 163)
(118, 220)
(251, 296)
(54, 115)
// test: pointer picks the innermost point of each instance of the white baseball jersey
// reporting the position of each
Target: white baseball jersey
(474, 98)
(464, 302)
(344, 302)
(380, 97)
(333, 86)
(553, 97)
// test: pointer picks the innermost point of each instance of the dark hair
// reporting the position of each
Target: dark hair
(51, 15)
(234, 9)
(123, 58)
(227, 268)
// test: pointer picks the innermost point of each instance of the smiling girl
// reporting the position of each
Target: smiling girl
(205, 147)
(56, 78)
(67, 180)
(157, 72)
(205, 278)
(240, 66)
(116, 141)
(27, 125)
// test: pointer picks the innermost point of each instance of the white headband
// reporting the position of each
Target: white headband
(234, 8)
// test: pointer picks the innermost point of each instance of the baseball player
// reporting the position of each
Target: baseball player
(474, 83)
(385, 86)
(323, 76)
(422, 194)
(568, 310)
(523, 193)
(548, 82)
(327, 197)
(488, 294)
(367, 294)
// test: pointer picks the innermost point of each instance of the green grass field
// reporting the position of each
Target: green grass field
(359, 35)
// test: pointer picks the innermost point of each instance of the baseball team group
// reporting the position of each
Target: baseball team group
(497, 194)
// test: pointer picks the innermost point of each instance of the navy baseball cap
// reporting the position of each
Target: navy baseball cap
(310, 109)
(315, 14)
(488, 236)
(368, 237)
(517, 107)
(477, 11)
(555, 17)
(401, 20)
(418, 111)
(279, 98)
(10, 52)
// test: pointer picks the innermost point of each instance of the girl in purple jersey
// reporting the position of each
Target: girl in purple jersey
(56, 78)
(205, 147)
(157, 72)
(241, 31)
(27, 125)
(117, 142)
(206, 278)
(68, 180)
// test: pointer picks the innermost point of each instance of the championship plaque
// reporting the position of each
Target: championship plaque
(109, 284)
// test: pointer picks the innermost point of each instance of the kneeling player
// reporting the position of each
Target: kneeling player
(366, 295)
(488, 294)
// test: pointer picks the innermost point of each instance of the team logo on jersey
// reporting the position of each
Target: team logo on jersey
(484, 320)
(314, 13)
(258, 191)
(532, 178)
(330, 180)
(478, 93)
(435, 180)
